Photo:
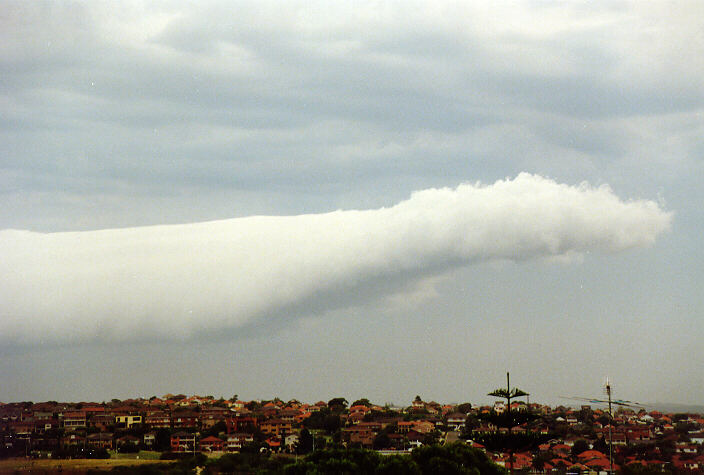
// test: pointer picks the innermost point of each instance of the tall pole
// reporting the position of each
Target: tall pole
(611, 417)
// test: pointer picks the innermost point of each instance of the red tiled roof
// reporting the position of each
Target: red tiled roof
(600, 463)
(591, 454)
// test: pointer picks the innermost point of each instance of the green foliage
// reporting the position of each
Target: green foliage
(541, 458)
(338, 404)
(579, 446)
(398, 465)
(508, 394)
(253, 405)
(344, 461)
(246, 462)
(323, 420)
(601, 445)
(469, 425)
(457, 458)
(362, 402)
(162, 440)
(382, 441)
(508, 419)
(452, 459)
(305, 442)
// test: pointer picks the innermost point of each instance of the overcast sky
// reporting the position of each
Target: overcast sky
(351, 199)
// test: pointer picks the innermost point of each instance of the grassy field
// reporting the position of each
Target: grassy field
(142, 455)
(40, 466)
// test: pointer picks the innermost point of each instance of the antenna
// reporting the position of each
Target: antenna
(608, 389)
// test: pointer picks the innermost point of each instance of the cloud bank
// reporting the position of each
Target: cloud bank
(176, 281)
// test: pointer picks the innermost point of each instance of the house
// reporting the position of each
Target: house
(237, 440)
(102, 422)
(423, 427)
(415, 438)
(405, 427)
(43, 415)
(273, 443)
(22, 428)
(433, 407)
(276, 427)
(128, 421)
(588, 455)
(240, 424)
(683, 448)
(456, 421)
(184, 420)
(561, 449)
(127, 441)
(213, 415)
(149, 439)
(289, 415)
(291, 441)
(359, 410)
(72, 440)
(74, 420)
(183, 442)
(100, 440)
(521, 461)
(158, 420)
(43, 425)
(355, 418)
(211, 444)
(600, 464)
(359, 436)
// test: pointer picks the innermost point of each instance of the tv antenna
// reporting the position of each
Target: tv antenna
(611, 402)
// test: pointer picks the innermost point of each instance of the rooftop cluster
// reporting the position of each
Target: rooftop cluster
(555, 438)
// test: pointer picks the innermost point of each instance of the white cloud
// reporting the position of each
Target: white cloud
(178, 280)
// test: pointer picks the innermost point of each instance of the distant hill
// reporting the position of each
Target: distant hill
(667, 407)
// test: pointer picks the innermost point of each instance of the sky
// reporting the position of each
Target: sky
(360, 199)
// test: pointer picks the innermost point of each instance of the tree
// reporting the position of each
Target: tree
(253, 405)
(162, 440)
(305, 442)
(396, 465)
(362, 402)
(455, 458)
(579, 446)
(338, 404)
(509, 419)
(601, 445)
(382, 441)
